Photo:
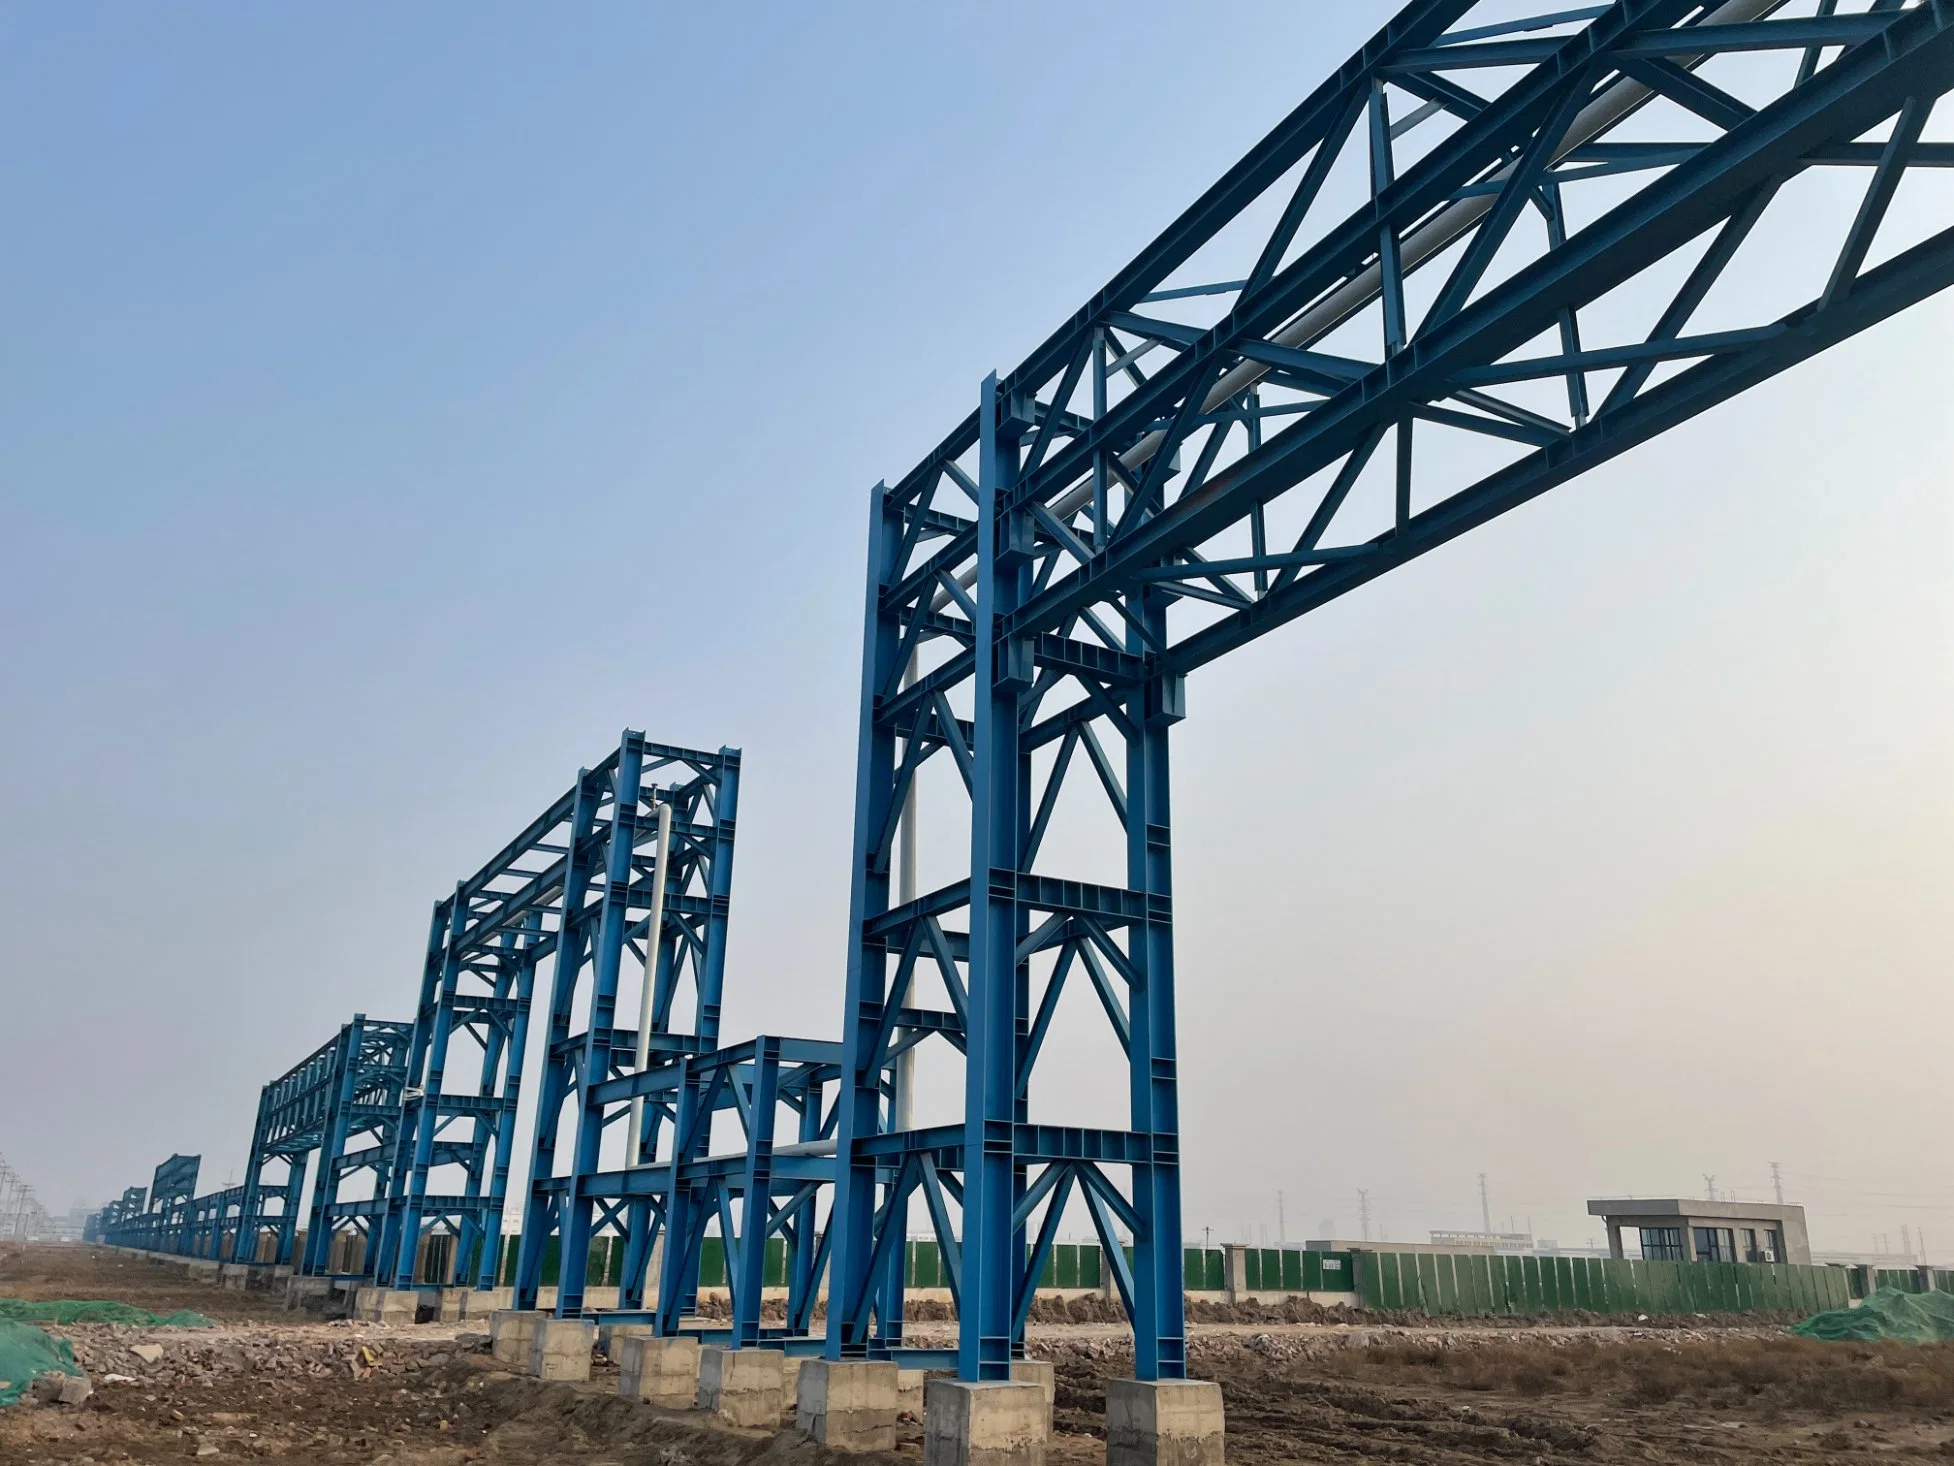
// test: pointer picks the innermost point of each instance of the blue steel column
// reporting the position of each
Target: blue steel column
(850, 1223)
(318, 1237)
(488, 1257)
(248, 1218)
(612, 917)
(426, 1060)
(289, 1212)
(746, 1273)
(712, 971)
(678, 1271)
(1003, 674)
(540, 1207)
(1159, 1304)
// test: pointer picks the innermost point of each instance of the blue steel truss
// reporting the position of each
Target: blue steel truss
(1293, 390)
(477, 979)
(1444, 284)
(294, 1117)
(171, 1191)
(759, 1191)
(598, 902)
(369, 1074)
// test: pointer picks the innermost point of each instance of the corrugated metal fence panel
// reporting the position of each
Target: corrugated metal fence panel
(712, 1263)
(1476, 1284)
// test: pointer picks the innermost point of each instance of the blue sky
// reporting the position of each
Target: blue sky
(396, 404)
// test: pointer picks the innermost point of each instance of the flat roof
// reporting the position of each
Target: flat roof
(1755, 1211)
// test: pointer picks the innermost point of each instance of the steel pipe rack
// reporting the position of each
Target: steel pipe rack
(1496, 235)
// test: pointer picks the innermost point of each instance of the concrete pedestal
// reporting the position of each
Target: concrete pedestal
(847, 1406)
(983, 1423)
(299, 1292)
(484, 1303)
(909, 1392)
(386, 1305)
(1045, 1376)
(742, 1386)
(560, 1348)
(611, 1337)
(510, 1333)
(1169, 1422)
(662, 1372)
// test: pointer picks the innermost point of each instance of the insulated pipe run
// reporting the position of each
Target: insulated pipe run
(654, 942)
(1431, 238)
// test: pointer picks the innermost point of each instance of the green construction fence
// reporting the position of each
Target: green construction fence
(1467, 1283)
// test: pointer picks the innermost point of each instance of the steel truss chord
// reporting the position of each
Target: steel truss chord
(1185, 465)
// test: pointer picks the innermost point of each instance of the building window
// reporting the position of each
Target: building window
(1773, 1245)
(1751, 1252)
(1715, 1244)
(1662, 1244)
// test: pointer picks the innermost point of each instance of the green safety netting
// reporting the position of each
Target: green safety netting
(26, 1352)
(1887, 1313)
(97, 1310)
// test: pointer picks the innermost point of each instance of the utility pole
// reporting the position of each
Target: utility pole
(1777, 1183)
(1711, 1182)
(1485, 1207)
(1906, 1242)
(1282, 1224)
(1364, 1213)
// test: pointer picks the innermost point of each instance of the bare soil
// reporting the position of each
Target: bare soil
(266, 1383)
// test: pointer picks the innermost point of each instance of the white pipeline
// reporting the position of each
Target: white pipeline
(654, 933)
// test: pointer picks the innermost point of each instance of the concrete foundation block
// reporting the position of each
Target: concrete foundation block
(909, 1392)
(510, 1332)
(662, 1372)
(983, 1423)
(1045, 1376)
(742, 1386)
(559, 1348)
(611, 1337)
(235, 1276)
(385, 1305)
(849, 1405)
(484, 1303)
(451, 1304)
(1168, 1422)
(299, 1292)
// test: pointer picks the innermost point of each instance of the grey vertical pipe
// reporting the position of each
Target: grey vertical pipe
(905, 1086)
(654, 941)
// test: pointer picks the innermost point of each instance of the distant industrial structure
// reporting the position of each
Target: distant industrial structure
(1707, 1231)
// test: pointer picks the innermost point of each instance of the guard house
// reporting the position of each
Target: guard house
(1707, 1231)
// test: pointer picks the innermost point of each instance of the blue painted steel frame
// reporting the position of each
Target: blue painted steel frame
(606, 873)
(369, 1075)
(1122, 533)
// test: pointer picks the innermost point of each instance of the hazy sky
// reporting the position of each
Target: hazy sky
(394, 404)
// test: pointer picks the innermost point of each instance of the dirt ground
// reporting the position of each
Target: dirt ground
(266, 1383)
